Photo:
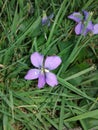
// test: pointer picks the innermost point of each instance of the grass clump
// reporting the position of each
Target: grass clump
(73, 103)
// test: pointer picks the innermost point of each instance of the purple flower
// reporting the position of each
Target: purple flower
(46, 19)
(82, 20)
(95, 29)
(42, 70)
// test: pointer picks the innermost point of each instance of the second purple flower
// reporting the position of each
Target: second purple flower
(84, 25)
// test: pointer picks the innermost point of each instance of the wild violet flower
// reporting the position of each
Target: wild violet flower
(43, 68)
(84, 25)
(46, 19)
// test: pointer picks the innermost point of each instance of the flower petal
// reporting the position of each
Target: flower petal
(32, 74)
(79, 28)
(86, 14)
(41, 81)
(44, 20)
(52, 62)
(51, 79)
(51, 16)
(37, 59)
(95, 30)
(77, 17)
(90, 26)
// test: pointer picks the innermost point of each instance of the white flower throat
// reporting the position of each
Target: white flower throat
(43, 70)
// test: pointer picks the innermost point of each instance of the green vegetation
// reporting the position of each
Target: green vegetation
(73, 103)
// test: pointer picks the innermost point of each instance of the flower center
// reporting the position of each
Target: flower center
(43, 70)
